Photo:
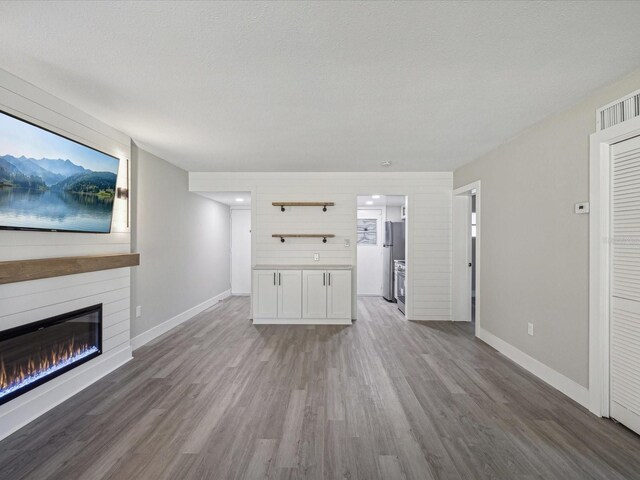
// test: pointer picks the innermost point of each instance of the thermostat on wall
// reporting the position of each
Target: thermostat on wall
(581, 208)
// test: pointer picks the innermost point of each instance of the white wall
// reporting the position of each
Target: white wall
(393, 214)
(184, 242)
(26, 302)
(429, 204)
(535, 257)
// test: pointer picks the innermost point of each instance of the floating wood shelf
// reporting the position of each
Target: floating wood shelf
(324, 205)
(23, 270)
(323, 236)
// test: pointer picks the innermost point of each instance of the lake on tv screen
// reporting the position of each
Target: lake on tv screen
(51, 183)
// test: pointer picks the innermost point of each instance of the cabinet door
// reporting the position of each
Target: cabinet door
(314, 294)
(265, 294)
(338, 294)
(290, 294)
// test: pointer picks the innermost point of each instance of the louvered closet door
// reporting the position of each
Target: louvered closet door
(625, 283)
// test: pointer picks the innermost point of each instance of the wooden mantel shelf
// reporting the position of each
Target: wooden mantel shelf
(23, 270)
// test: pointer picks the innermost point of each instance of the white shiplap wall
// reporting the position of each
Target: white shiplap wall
(26, 302)
(428, 226)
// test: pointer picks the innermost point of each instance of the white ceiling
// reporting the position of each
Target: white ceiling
(320, 86)
(229, 198)
(382, 200)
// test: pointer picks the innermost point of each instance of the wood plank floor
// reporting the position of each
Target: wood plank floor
(218, 398)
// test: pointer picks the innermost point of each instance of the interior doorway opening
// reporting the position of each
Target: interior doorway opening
(240, 242)
(381, 248)
(466, 254)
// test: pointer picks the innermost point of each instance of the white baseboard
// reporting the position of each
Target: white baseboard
(29, 406)
(302, 321)
(571, 389)
(164, 327)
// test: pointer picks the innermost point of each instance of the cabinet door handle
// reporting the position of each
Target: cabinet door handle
(324, 282)
(279, 279)
(329, 278)
(274, 278)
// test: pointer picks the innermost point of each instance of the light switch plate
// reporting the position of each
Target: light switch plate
(581, 208)
(316, 257)
(138, 311)
(530, 329)
(347, 242)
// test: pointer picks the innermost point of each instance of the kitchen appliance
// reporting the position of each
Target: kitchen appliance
(393, 249)
(400, 277)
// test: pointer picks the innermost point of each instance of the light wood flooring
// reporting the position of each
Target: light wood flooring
(219, 398)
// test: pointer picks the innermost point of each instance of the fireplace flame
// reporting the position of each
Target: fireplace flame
(41, 364)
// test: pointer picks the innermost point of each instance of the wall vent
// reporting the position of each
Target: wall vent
(619, 111)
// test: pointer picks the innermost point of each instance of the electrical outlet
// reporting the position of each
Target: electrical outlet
(138, 311)
(347, 242)
(530, 328)
(316, 257)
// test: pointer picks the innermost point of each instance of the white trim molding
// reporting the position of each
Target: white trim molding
(571, 389)
(302, 321)
(599, 265)
(39, 401)
(164, 327)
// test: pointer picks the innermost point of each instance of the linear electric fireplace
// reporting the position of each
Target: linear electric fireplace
(33, 354)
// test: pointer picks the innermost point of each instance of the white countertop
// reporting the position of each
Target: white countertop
(302, 267)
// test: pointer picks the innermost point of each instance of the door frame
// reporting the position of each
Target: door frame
(599, 259)
(462, 249)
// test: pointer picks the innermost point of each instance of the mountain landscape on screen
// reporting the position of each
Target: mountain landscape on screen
(54, 194)
(52, 183)
(60, 175)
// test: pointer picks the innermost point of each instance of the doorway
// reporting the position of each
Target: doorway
(240, 251)
(369, 281)
(381, 247)
(624, 284)
(614, 256)
(466, 254)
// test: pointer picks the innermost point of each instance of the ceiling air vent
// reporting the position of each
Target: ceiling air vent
(619, 111)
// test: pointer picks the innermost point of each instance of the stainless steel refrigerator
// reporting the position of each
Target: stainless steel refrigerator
(393, 250)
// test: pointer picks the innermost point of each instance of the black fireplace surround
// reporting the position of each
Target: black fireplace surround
(33, 354)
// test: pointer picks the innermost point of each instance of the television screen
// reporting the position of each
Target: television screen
(49, 182)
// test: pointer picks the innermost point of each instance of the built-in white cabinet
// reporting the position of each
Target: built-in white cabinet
(338, 294)
(314, 294)
(265, 293)
(289, 293)
(302, 296)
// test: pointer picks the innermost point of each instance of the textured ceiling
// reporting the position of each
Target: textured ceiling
(241, 199)
(320, 86)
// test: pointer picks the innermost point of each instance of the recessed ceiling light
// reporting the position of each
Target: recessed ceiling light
(239, 199)
(386, 163)
(369, 202)
(375, 197)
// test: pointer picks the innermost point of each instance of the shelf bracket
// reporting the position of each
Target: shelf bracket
(282, 238)
(282, 209)
(324, 239)
(324, 209)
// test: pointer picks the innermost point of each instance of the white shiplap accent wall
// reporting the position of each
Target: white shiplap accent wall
(26, 302)
(428, 226)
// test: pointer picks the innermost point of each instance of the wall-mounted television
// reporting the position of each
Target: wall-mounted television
(52, 183)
